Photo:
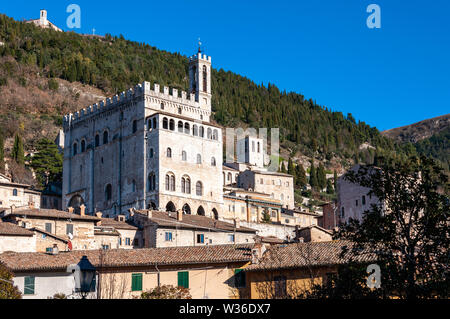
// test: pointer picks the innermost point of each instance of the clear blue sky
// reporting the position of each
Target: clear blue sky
(387, 77)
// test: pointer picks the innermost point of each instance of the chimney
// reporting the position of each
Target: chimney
(99, 214)
(301, 240)
(179, 215)
(82, 210)
(55, 250)
(70, 209)
(237, 223)
(257, 253)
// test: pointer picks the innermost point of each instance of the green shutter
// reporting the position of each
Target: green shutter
(29, 286)
(183, 279)
(239, 278)
(136, 282)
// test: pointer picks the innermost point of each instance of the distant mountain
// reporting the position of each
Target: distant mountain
(419, 131)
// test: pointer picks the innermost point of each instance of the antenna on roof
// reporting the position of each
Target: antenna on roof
(199, 46)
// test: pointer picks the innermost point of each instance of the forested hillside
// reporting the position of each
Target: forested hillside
(37, 59)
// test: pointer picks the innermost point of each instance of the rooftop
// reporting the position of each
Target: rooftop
(110, 222)
(10, 229)
(26, 262)
(299, 255)
(51, 213)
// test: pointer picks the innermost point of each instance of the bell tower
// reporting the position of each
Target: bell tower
(200, 78)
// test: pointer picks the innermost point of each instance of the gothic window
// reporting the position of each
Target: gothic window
(215, 135)
(108, 192)
(172, 125)
(97, 140)
(199, 189)
(162, 106)
(184, 156)
(202, 131)
(149, 124)
(199, 159)
(186, 185)
(187, 128)
(151, 182)
(75, 148)
(169, 152)
(134, 126)
(180, 127)
(83, 146)
(209, 134)
(205, 79)
(195, 130)
(155, 124)
(213, 161)
(165, 123)
(167, 182)
(172, 183)
(105, 137)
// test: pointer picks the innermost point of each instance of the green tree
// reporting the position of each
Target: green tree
(313, 177)
(283, 168)
(335, 179)
(410, 237)
(167, 292)
(7, 288)
(2, 153)
(17, 151)
(291, 168)
(47, 162)
(300, 175)
(321, 177)
(330, 189)
(265, 218)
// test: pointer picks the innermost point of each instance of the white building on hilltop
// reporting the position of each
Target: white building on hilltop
(146, 149)
(43, 22)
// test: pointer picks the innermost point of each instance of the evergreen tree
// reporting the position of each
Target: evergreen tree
(291, 169)
(330, 189)
(265, 218)
(283, 168)
(321, 177)
(17, 151)
(313, 177)
(300, 174)
(2, 153)
(335, 180)
(47, 163)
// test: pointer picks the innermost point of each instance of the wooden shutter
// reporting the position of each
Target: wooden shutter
(136, 282)
(183, 279)
(29, 285)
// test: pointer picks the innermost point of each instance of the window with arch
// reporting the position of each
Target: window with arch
(152, 153)
(209, 134)
(180, 127)
(108, 192)
(162, 106)
(184, 156)
(253, 146)
(75, 148)
(170, 182)
(155, 123)
(165, 123)
(180, 110)
(169, 152)
(97, 140)
(105, 137)
(151, 182)
(83, 146)
(215, 135)
(199, 188)
(202, 131)
(186, 185)
(134, 126)
(187, 128)
(213, 161)
(149, 125)
(14, 192)
(172, 125)
(205, 79)
(199, 159)
(195, 130)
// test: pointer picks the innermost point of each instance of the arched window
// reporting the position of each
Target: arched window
(195, 130)
(83, 146)
(205, 79)
(172, 125)
(151, 182)
(172, 183)
(199, 159)
(14, 192)
(213, 161)
(134, 126)
(202, 131)
(169, 152)
(186, 209)
(75, 148)
(133, 186)
(215, 135)
(105, 137)
(108, 192)
(152, 153)
(180, 126)
(201, 211)
(199, 189)
(184, 156)
(162, 106)
(155, 123)
(167, 182)
(209, 134)
(186, 185)
(187, 128)
(97, 140)
(149, 125)
(165, 123)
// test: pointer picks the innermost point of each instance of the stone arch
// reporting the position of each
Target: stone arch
(215, 214)
(151, 206)
(186, 209)
(170, 207)
(75, 202)
(201, 211)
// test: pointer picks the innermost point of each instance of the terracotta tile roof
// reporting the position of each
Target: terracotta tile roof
(194, 222)
(110, 222)
(10, 229)
(299, 255)
(51, 213)
(26, 262)
(330, 232)
(61, 238)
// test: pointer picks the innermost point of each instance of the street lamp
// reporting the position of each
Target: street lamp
(87, 275)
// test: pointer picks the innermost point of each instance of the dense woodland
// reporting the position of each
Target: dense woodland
(114, 64)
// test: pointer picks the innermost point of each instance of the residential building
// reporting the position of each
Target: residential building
(17, 195)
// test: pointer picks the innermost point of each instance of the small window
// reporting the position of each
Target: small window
(97, 140)
(342, 212)
(169, 152)
(48, 227)
(200, 239)
(75, 149)
(136, 282)
(231, 238)
(364, 200)
(199, 159)
(183, 279)
(83, 146)
(108, 192)
(165, 123)
(168, 236)
(105, 247)
(69, 229)
(134, 126)
(162, 106)
(127, 241)
(356, 203)
(213, 161)
(180, 126)
(199, 189)
(152, 153)
(184, 156)
(239, 278)
(29, 285)
(105, 137)
(14, 192)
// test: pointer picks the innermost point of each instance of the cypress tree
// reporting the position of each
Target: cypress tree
(330, 189)
(283, 168)
(321, 177)
(300, 175)
(313, 176)
(335, 180)
(291, 169)
(17, 151)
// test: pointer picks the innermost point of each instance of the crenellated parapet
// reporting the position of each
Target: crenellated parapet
(141, 90)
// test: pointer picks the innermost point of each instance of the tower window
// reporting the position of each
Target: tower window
(165, 123)
(180, 127)
(75, 148)
(169, 152)
(195, 130)
(97, 140)
(108, 192)
(199, 159)
(134, 126)
(199, 189)
(105, 137)
(162, 106)
(83, 146)
(172, 125)
(184, 156)
(205, 79)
